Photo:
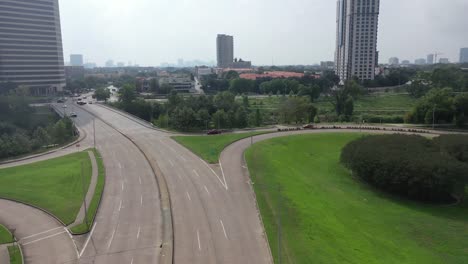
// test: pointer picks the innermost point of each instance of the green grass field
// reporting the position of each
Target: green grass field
(330, 217)
(15, 255)
(55, 185)
(93, 207)
(5, 235)
(210, 147)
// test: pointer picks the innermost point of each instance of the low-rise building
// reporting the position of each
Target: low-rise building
(444, 61)
(74, 72)
(181, 83)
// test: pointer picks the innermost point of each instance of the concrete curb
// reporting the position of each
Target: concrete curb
(168, 220)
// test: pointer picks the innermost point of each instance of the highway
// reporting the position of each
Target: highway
(215, 218)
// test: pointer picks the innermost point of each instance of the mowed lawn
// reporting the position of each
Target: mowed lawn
(55, 185)
(330, 217)
(210, 147)
(5, 235)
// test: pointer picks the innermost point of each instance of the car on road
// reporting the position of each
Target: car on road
(73, 114)
(60, 101)
(81, 103)
(309, 126)
(64, 106)
(214, 132)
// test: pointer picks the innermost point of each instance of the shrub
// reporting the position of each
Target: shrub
(454, 145)
(411, 166)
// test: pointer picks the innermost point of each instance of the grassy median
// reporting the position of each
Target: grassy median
(94, 205)
(55, 185)
(5, 235)
(330, 217)
(15, 255)
(209, 148)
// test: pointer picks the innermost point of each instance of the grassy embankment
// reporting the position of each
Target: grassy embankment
(5, 235)
(330, 217)
(94, 205)
(55, 185)
(376, 105)
(15, 255)
(210, 147)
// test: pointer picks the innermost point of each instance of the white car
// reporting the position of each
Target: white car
(64, 106)
(73, 114)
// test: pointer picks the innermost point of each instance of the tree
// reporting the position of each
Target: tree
(341, 95)
(241, 117)
(219, 119)
(240, 86)
(225, 101)
(295, 110)
(349, 107)
(230, 75)
(102, 94)
(418, 88)
(313, 92)
(436, 103)
(154, 85)
(460, 103)
(183, 118)
(127, 94)
(22, 90)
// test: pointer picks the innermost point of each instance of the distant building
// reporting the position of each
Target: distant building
(179, 82)
(406, 62)
(240, 64)
(464, 55)
(356, 42)
(76, 60)
(273, 75)
(120, 64)
(110, 64)
(90, 65)
(430, 59)
(31, 52)
(330, 65)
(225, 50)
(74, 72)
(444, 61)
(394, 61)
(420, 61)
(202, 71)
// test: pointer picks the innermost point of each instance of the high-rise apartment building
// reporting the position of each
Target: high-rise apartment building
(76, 60)
(225, 50)
(464, 55)
(31, 51)
(430, 59)
(356, 42)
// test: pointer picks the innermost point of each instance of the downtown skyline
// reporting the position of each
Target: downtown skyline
(304, 33)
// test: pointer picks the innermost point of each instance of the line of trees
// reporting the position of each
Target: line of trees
(23, 130)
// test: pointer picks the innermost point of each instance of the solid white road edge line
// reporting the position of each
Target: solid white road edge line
(71, 237)
(206, 189)
(47, 237)
(188, 196)
(40, 233)
(224, 230)
(87, 240)
(139, 230)
(198, 237)
(110, 241)
(223, 184)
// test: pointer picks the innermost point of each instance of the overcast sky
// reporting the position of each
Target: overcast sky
(150, 32)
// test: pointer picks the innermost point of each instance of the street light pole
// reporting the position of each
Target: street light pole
(94, 131)
(433, 117)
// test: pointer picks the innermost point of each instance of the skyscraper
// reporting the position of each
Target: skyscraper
(356, 42)
(464, 55)
(31, 51)
(76, 60)
(225, 50)
(430, 59)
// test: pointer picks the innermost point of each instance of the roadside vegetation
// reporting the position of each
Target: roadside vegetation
(329, 216)
(15, 255)
(209, 148)
(55, 185)
(5, 235)
(28, 130)
(94, 205)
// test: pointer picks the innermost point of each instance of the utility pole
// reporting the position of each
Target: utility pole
(433, 117)
(84, 196)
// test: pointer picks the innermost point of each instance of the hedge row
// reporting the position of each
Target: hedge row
(411, 166)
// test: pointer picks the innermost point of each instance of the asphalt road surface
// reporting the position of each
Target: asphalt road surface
(215, 217)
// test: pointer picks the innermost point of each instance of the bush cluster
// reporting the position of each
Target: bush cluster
(410, 166)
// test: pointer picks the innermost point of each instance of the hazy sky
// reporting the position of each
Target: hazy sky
(149, 32)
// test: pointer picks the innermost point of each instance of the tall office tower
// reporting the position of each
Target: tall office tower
(394, 61)
(430, 59)
(464, 55)
(356, 42)
(225, 50)
(76, 60)
(31, 52)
